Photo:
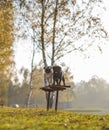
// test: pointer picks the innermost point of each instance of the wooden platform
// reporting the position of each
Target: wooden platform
(53, 88)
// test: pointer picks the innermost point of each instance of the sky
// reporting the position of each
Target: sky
(82, 68)
(98, 64)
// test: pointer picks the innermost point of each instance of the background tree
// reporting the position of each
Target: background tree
(6, 38)
(93, 93)
(6, 44)
(18, 93)
(5, 82)
(31, 77)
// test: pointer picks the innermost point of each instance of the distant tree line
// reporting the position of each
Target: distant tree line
(16, 92)
(93, 93)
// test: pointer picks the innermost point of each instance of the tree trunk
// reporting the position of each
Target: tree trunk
(42, 41)
(53, 49)
(42, 34)
(31, 77)
(43, 51)
(54, 34)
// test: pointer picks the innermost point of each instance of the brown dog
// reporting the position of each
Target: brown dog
(48, 75)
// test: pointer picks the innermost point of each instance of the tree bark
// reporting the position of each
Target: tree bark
(42, 34)
(54, 34)
(31, 77)
(53, 49)
(43, 49)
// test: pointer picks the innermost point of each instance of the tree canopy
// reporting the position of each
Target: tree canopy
(55, 25)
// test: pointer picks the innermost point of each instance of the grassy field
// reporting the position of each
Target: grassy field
(40, 119)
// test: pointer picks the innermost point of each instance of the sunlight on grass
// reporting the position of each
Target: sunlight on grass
(40, 119)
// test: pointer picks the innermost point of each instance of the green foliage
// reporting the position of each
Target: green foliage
(4, 84)
(31, 119)
(6, 28)
(6, 39)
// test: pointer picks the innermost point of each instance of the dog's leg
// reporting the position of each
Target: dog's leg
(50, 81)
(59, 81)
(63, 79)
(53, 81)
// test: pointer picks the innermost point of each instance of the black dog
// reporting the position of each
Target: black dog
(58, 76)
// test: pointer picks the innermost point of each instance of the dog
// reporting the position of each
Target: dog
(58, 76)
(48, 75)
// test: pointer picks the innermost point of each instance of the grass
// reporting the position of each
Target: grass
(40, 119)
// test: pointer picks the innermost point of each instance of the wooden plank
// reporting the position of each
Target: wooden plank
(58, 88)
(66, 86)
(47, 89)
(54, 88)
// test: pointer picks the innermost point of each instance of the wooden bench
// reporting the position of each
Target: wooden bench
(52, 88)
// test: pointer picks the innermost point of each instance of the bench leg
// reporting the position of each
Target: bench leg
(56, 103)
(48, 101)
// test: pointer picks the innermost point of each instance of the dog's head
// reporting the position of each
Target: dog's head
(48, 69)
(57, 69)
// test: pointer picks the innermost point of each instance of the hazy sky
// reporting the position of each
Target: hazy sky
(97, 64)
(83, 69)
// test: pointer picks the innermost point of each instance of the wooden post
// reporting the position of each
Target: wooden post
(48, 100)
(56, 103)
